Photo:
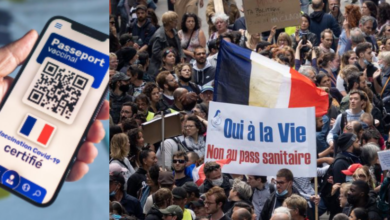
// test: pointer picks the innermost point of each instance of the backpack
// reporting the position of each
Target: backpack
(326, 187)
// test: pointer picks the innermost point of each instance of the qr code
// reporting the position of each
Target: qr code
(58, 90)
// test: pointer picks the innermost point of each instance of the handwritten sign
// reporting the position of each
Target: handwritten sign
(260, 141)
(262, 15)
(384, 159)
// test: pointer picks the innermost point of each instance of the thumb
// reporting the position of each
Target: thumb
(16, 52)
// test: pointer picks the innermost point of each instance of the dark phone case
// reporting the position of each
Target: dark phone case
(91, 33)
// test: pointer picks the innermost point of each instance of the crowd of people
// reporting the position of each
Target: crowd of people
(166, 64)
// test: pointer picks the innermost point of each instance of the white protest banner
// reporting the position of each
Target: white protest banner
(384, 159)
(262, 15)
(260, 141)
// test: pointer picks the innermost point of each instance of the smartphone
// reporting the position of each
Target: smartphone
(304, 38)
(46, 113)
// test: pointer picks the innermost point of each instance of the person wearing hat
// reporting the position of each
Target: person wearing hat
(165, 180)
(142, 28)
(172, 212)
(192, 192)
(126, 40)
(119, 86)
(351, 169)
(117, 193)
(180, 199)
(206, 94)
(349, 146)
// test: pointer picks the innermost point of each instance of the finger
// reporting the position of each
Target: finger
(15, 53)
(96, 132)
(87, 153)
(104, 112)
(79, 169)
(5, 83)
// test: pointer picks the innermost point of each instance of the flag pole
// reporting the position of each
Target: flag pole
(316, 193)
(162, 138)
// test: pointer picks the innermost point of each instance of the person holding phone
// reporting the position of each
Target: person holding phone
(13, 55)
(303, 32)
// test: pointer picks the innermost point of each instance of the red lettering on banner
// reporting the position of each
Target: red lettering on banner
(215, 153)
(249, 157)
(284, 158)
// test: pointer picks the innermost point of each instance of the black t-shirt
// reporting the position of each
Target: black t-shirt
(180, 182)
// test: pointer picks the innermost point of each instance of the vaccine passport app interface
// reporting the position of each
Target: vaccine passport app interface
(49, 108)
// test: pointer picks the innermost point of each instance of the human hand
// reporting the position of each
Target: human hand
(309, 44)
(332, 121)
(14, 54)
(330, 180)
(316, 199)
(335, 187)
(346, 24)
(299, 45)
(136, 46)
(377, 73)
(273, 30)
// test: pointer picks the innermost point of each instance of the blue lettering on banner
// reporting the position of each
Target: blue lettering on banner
(76, 55)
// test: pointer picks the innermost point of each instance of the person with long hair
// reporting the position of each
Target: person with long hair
(384, 33)
(153, 17)
(119, 149)
(168, 57)
(383, 15)
(385, 44)
(250, 41)
(352, 18)
(328, 64)
(191, 35)
(363, 173)
(347, 64)
(152, 91)
(184, 73)
(323, 80)
(136, 146)
(369, 8)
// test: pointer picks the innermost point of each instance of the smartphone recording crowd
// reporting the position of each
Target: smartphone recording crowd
(166, 64)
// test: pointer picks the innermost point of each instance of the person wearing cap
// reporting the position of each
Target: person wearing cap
(126, 40)
(180, 199)
(117, 193)
(142, 28)
(202, 71)
(162, 199)
(165, 180)
(172, 212)
(351, 169)
(349, 146)
(240, 192)
(192, 192)
(179, 161)
(119, 86)
(207, 94)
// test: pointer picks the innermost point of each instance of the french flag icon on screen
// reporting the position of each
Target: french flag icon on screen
(37, 130)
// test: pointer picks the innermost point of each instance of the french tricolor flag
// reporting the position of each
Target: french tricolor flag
(248, 78)
(37, 130)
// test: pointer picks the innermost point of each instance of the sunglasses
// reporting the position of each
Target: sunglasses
(212, 168)
(180, 161)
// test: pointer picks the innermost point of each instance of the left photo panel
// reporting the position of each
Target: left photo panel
(54, 61)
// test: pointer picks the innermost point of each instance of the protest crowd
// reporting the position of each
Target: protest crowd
(165, 64)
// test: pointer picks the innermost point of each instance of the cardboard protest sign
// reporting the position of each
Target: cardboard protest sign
(384, 159)
(260, 141)
(153, 129)
(218, 6)
(262, 15)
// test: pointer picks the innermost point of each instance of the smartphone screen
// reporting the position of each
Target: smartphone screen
(53, 101)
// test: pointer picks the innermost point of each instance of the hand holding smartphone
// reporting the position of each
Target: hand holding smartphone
(46, 114)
